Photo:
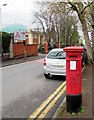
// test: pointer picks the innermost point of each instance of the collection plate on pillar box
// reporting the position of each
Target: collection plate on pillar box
(72, 65)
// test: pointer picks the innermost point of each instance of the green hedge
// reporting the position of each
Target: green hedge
(6, 37)
(41, 49)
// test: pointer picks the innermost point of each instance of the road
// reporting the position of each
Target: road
(24, 88)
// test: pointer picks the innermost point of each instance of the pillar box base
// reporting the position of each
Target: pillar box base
(74, 103)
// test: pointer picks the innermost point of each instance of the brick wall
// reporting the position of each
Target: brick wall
(35, 40)
(18, 50)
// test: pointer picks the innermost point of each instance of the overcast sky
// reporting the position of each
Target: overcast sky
(18, 11)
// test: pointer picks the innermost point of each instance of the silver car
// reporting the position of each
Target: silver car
(55, 63)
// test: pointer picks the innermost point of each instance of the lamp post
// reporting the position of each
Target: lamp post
(0, 39)
(1, 50)
(1, 17)
(0, 66)
(1, 53)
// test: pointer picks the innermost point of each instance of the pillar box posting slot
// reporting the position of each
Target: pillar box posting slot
(73, 78)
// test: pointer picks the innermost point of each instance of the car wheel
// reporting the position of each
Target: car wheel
(46, 75)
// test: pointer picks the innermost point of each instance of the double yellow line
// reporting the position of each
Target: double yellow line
(48, 104)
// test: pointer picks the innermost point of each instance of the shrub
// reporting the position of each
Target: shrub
(41, 49)
(6, 37)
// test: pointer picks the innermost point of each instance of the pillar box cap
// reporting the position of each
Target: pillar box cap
(73, 49)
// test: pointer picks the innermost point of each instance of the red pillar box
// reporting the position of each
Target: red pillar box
(73, 78)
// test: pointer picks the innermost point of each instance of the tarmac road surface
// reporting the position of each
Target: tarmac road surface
(25, 88)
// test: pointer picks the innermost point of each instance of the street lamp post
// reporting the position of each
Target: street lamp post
(1, 60)
(1, 17)
(1, 50)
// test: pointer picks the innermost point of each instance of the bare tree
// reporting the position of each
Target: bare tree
(40, 21)
(91, 15)
(58, 21)
(80, 9)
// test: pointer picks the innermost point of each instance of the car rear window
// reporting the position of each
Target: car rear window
(57, 55)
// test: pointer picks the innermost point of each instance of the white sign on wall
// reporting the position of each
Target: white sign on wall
(20, 35)
(72, 65)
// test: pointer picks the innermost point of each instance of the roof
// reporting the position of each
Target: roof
(14, 28)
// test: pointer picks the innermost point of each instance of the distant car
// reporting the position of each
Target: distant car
(55, 63)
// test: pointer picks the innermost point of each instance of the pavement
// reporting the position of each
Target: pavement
(21, 60)
(87, 90)
(87, 98)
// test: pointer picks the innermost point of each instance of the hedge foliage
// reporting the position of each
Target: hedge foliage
(6, 37)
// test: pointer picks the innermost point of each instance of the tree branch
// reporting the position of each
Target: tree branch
(73, 6)
(40, 22)
(86, 7)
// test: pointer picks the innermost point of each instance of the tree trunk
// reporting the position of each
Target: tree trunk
(80, 9)
(87, 41)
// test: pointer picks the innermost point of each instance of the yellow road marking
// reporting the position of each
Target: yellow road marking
(44, 113)
(43, 105)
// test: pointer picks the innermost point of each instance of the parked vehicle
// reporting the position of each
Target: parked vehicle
(55, 63)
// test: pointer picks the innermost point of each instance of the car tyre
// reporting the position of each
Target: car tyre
(46, 75)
